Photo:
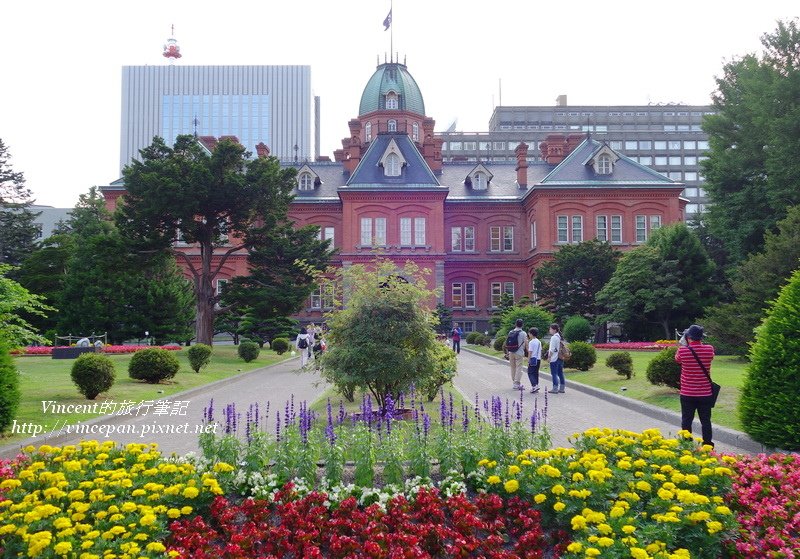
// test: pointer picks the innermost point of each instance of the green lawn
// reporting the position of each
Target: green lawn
(43, 379)
(726, 370)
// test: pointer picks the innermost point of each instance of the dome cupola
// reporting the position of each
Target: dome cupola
(391, 87)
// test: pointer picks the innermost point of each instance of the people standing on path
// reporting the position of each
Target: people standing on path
(303, 344)
(534, 358)
(555, 359)
(515, 349)
(456, 334)
(696, 394)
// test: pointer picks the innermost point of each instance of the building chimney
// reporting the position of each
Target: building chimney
(556, 147)
(561, 100)
(522, 164)
(262, 150)
(431, 146)
(352, 146)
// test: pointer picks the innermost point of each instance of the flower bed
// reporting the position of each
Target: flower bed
(766, 498)
(636, 346)
(115, 349)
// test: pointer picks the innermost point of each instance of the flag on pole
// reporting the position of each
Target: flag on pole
(387, 23)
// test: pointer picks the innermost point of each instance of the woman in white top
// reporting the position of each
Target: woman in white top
(534, 359)
(556, 363)
(303, 344)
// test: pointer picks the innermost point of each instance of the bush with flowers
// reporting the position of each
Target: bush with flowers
(94, 501)
(115, 349)
(625, 494)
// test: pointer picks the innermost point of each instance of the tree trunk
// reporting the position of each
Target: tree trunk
(204, 294)
(667, 334)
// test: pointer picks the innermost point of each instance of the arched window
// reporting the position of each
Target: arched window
(391, 166)
(392, 126)
(415, 132)
(479, 181)
(604, 165)
(368, 132)
(391, 100)
(306, 182)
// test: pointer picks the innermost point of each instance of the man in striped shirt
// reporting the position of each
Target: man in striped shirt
(695, 384)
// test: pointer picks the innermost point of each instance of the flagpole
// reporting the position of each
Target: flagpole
(391, 30)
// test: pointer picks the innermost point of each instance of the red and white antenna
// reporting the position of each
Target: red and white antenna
(172, 50)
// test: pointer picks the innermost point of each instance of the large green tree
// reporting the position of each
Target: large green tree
(569, 283)
(663, 283)
(754, 283)
(18, 233)
(220, 200)
(16, 303)
(753, 172)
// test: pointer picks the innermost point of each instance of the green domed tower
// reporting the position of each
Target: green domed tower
(391, 87)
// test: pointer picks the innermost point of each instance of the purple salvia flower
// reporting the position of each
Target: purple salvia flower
(278, 426)
(341, 412)
(426, 424)
(442, 408)
(211, 410)
(286, 415)
(533, 422)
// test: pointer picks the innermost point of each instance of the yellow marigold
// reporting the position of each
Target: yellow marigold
(575, 547)
(192, 492)
(147, 520)
(665, 494)
(491, 480)
(10, 484)
(723, 510)
(605, 542)
(558, 489)
(605, 529)
(639, 553)
(540, 498)
(513, 469)
(526, 462)
(186, 510)
(62, 548)
(511, 485)
(592, 552)
(577, 476)
(156, 547)
(559, 506)
(173, 513)
(628, 529)
(714, 527)
(223, 467)
(483, 462)
(643, 486)
(578, 522)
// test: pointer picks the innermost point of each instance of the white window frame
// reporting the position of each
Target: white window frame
(495, 239)
(655, 222)
(415, 131)
(368, 132)
(316, 298)
(534, 240)
(457, 295)
(509, 288)
(306, 182)
(469, 238)
(469, 294)
(392, 101)
(330, 234)
(405, 231)
(601, 228)
(508, 238)
(366, 231)
(576, 225)
(391, 165)
(419, 231)
(641, 229)
(391, 126)
(479, 181)
(220, 283)
(616, 232)
(562, 229)
(380, 231)
(604, 164)
(456, 239)
(496, 293)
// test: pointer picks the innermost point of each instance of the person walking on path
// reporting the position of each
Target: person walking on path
(303, 344)
(696, 394)
(456, 334)
(534, 358)
(556, 362)
(515, 348)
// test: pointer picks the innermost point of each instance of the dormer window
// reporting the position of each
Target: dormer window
(306, 182)
(391, 165)
(604, 165)
(392, 126)
(368, 132)
(415, 132)
(391, 100)
(479, 178)
(479, 182)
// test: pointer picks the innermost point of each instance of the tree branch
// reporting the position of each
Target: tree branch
(224, 258)
(188, 261)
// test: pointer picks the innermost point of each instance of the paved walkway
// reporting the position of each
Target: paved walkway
(578, 409)
(176, 433)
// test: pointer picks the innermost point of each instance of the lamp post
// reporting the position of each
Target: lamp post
(147, 336)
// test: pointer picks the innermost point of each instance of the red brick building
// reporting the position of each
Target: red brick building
(480, 227)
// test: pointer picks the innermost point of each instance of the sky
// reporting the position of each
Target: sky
(61, 61)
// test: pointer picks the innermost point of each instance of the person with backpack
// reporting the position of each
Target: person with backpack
(555, 356)
(515, 349)
(303, 343)
(534, 358)
(456, 334)
(697, 389)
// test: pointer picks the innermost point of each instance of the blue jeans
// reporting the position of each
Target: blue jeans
(457, 346)
(557, 372)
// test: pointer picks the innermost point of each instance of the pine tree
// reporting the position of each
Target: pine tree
(18, 233)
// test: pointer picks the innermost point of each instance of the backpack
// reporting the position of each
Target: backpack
(564, 352)
(512, 341)
(303, 343)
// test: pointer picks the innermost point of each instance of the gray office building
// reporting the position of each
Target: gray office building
(667, 138)
(269, 104)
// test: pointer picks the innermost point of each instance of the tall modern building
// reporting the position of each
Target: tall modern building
(667, 138)
(269, 104)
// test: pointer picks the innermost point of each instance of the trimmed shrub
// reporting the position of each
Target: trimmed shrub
(153, 365)
(532, 316)
(472, 336)
(479, 339)
(9, 389)
(663, 370)
(583, 357)
(280, 345)
(445, 372)
(199, 356)
(93, 373)
(769, 407)
(621, 362)
(500, 340)
(577, 329)
(485, 340)
(249, 351)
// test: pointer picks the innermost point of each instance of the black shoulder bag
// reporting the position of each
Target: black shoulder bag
(714, 386)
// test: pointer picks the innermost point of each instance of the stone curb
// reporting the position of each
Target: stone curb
(11, 450)
(721, 434)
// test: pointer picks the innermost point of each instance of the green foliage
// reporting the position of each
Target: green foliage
(387, 315)
(755, 281)
(199, 356)
(445, 317)
(664, 283)
(16, 301)
(583, 357)
(93, 373)
(9, 389)
(500, 340)
(472, 337)
(621, 362)
(570, 282)
(532, 316)
(506, 302)
(769, 407)
(663, 370)
(248, 351)
(153, 365)
(753, 170)
(17, 230)
(280, 345)
(210, 196)
(577, 329)
(444, 372)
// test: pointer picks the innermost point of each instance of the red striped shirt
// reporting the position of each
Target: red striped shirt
(693, 380)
